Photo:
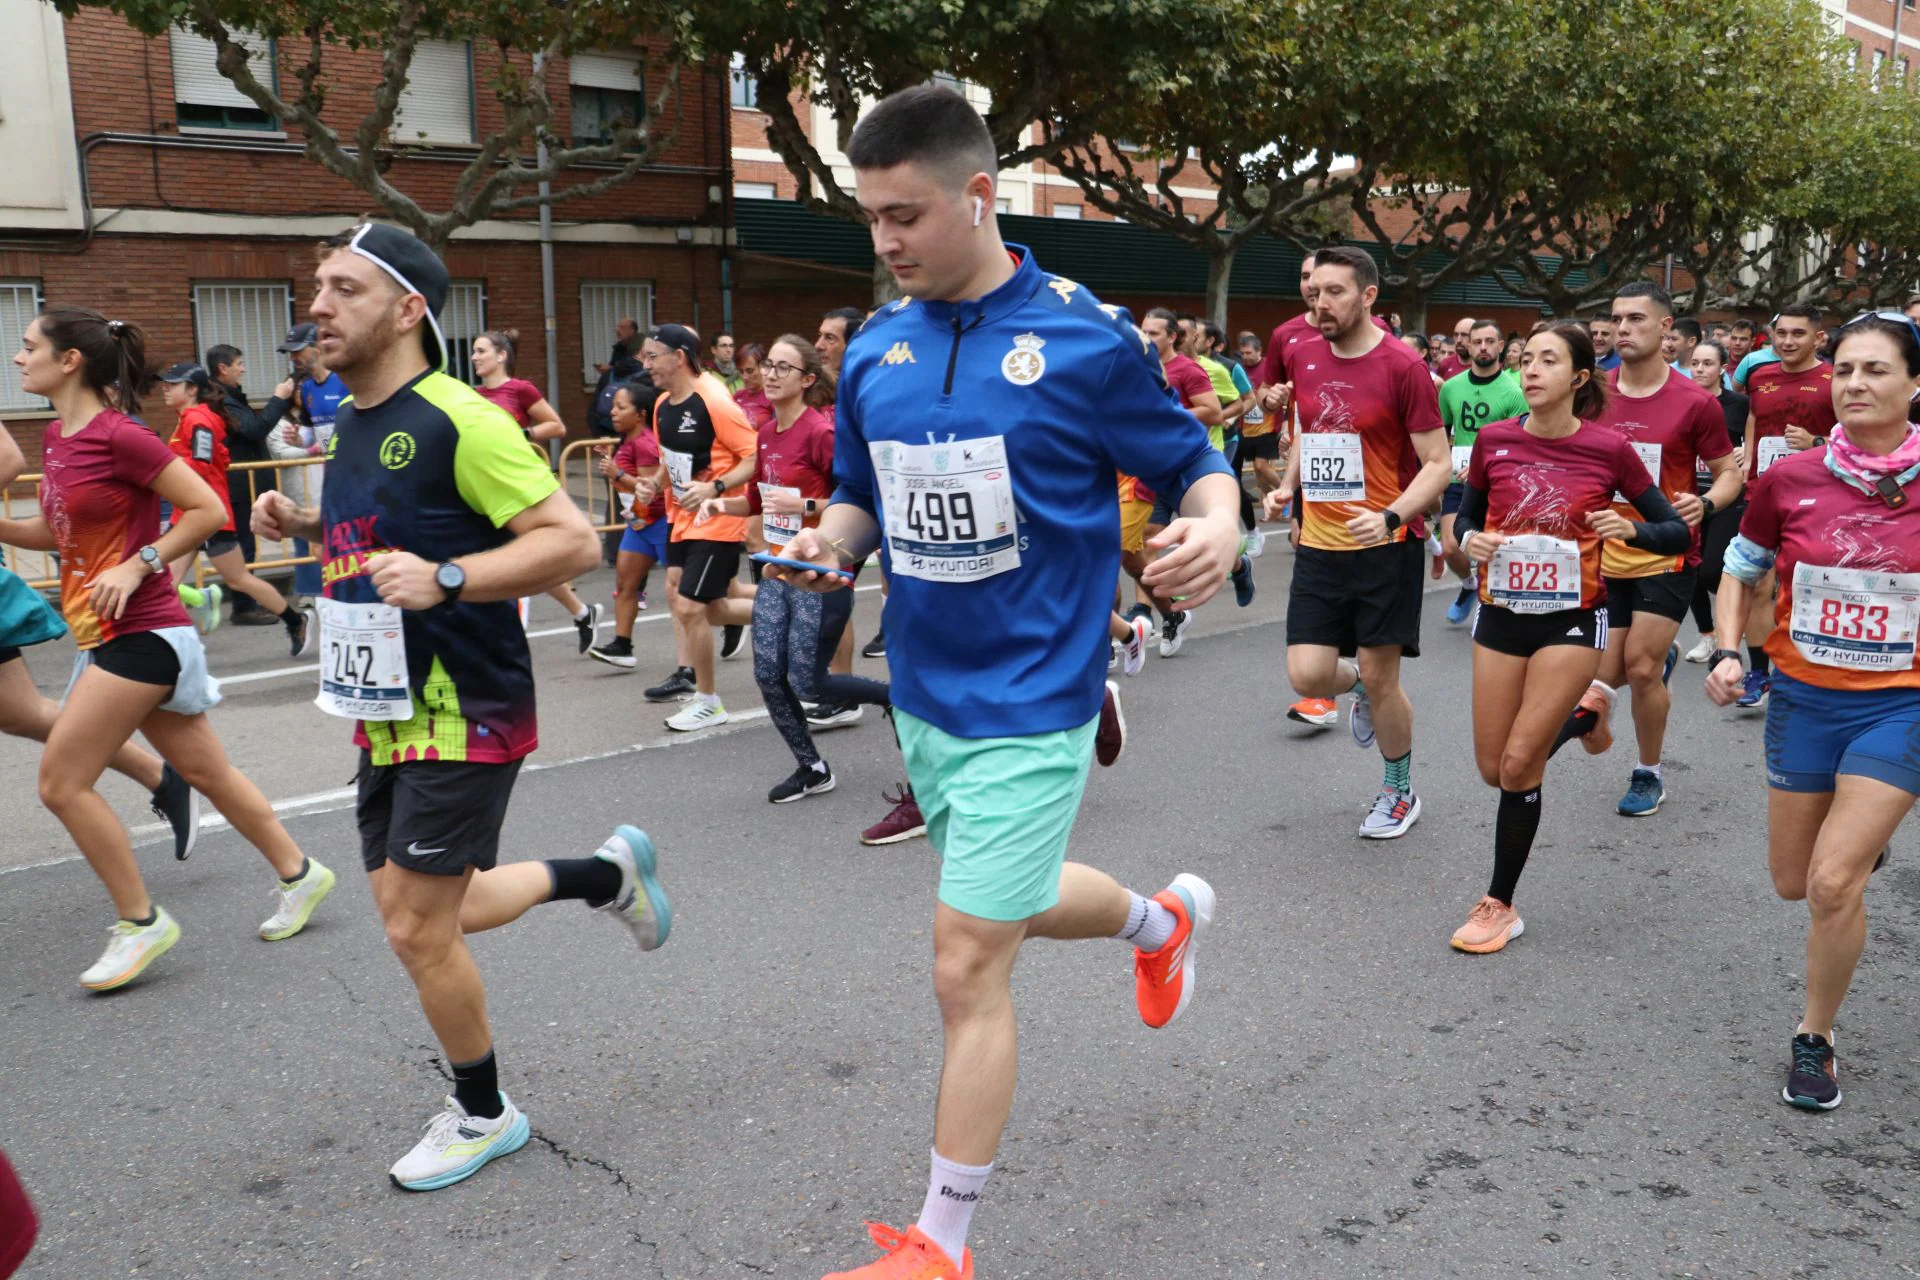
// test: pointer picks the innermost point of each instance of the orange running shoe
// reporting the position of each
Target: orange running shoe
(910, 1255)
(1599, 738)
(1491, 925)
(1163, 980)
(1321, 713)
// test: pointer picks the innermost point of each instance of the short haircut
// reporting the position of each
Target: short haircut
(1747, 327)
(1366, 273)
(1167, 314)
(1419, 341)
(1650, 291)
(1599, 319)
(1247, 337)
(853, 316)
(1478, 325)
(1186, 317)
(220, 355)
(1805, 310)
(927, 125)
(1687, 327)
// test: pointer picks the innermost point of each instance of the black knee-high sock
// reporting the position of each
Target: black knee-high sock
(1513, 832)
(594, 881)
(1579, 724)
(476, 1087)
(1703, 608)
(1757, 658)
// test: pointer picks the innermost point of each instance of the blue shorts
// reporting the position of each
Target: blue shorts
(650, 541)
(1815, 733)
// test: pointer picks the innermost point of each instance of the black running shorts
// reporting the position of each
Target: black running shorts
(706, 568)
(436, 817)
(1666, 595)
(1524, 634)
(1364, 599)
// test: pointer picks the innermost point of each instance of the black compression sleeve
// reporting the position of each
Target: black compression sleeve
(1472, 516)
(1662, 531)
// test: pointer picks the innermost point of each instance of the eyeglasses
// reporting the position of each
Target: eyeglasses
(1892, 317)
(780, 368)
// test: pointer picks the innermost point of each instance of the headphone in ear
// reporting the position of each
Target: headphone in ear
(979, 210)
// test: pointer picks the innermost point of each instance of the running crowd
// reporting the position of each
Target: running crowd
(1592, 483)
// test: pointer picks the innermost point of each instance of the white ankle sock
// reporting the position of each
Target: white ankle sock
(1148, 925)
(1653, 768)
(952, 1194)
(586, 611)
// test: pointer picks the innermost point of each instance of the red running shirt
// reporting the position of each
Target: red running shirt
(1807, 515)
(1550, 487)
(516, 395)
(99, 505)
(1780, 400)
(1683, 423)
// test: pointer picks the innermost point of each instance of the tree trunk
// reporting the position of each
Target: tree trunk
(1412, 308)
(1219, 277)
(885, 289)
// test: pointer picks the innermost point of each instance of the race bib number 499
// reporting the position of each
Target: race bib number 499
(949, 508)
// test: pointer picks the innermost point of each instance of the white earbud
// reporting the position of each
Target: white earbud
(979, 210)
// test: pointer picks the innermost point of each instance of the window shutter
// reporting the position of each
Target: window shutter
(437, 104)
(251, 315)
(197, 80)
(605, 71)
(19, 304)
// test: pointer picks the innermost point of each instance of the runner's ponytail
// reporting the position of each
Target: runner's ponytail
(113, 353)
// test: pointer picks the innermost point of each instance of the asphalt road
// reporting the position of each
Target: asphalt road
(1347, 1096)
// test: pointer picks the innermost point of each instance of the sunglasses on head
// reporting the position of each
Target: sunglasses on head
(1892, 317)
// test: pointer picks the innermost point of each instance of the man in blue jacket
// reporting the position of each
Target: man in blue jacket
(981, 419)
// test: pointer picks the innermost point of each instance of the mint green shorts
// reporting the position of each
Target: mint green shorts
(998, 811)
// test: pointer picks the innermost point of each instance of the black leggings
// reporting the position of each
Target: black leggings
(1715, 535)
(794, 635)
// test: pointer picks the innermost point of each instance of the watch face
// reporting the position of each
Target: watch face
(450, 577)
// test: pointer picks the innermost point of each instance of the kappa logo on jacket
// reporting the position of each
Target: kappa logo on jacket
(899, 353)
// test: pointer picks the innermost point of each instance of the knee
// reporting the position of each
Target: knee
(1790, 886)
(1491, 772)
(416, 940)
(201, 774)
(1519, 771)
(962, 982)
(1643, 670)
(57, 792)
(687, 610)
(1832, 891)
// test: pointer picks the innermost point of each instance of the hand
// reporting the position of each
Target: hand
(290, 431)
(1199, 556)
(1274, 398)
(285, 390)
(406, 580)
(1798, 438)
(808, 545)
(1724, 681)
(273, 511)
(1740, 457)
(708, 510)
(1610, 524)
(601, 368)
(1369, 528)
(783, 504)
(1691, 509)
(1274, 505)
(1480, 545)
(110, 590)
(644, 492)
(605, 466)
(696, 493)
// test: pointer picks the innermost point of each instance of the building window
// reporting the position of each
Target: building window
(1879, 62)
(252, 315)
(754, 191)
(463, 319)
(205, 99)
(1070, 211)
(1003, 204)
(607, 92)
(604, 304)
(19, 304)
(746, 90)
(437, 104)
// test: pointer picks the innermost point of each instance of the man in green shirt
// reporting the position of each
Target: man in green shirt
(1483, 393)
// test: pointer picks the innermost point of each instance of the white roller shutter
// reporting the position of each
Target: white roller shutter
(197, 80)
(19, 304)
(437, 104)
(605, 71)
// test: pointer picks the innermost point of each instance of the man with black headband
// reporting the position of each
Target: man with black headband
(435, 519)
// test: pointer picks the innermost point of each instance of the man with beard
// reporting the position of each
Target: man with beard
(1484, 393)
(435, 519)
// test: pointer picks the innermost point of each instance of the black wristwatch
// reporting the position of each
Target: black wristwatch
(808, 507)
(1392, 518)
(451, 579)
(1721, 655)
(719, 485)
(1709, 509)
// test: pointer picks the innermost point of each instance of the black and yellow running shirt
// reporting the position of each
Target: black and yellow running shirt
(437, 471)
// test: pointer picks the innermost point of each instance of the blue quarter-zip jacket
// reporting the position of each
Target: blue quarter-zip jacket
(1076, 396)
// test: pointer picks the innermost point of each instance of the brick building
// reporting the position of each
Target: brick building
(142, 184)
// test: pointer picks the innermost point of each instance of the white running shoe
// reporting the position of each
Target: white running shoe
(1256, 543)
(1134, 650)
(703, 712)
(130, 949)
(1360, 719)
(641, 904)
(1173, 632)
(1392, 816)
(1701, 651)
(206, 615)
(297, 902)
(457, 1146)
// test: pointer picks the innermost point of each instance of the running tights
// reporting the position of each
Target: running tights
(794, 635)
(1513, 831)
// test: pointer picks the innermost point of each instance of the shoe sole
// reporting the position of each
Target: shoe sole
(836, 722)
(1751, 706)
(646, 868)
(708, 723)
(1802, 1102)
(1120, 722)
(1366, 743)
(909, 834)
(668, 701)
(1497, 944)
(514, 1138)
(1201, 902)
(612, 661)
(1331, 719)
(154, 953)
(818, 789)
(1399, 829)
(327, 882)
(1644, 813)
(183, 852)
(739, 647)
(591, 627)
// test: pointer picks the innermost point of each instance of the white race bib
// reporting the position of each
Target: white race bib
(679, 471)
(778, 528)
(1462, 455)
(363, 662)
(1771, 450)
(1332, 468)
(1855, 618)
(949, 508)
(1535, 574)
(1650, 459)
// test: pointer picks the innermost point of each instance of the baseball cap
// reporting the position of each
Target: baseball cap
(678, 337)
(415, 268)
(186, 371)
(299, 338)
